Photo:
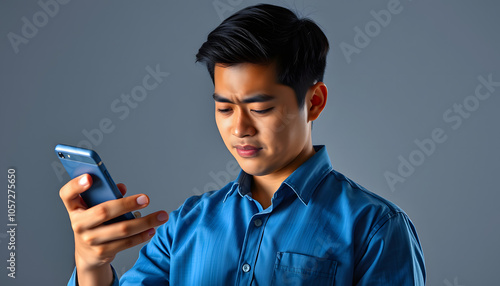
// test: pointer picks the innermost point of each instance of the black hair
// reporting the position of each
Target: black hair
(263, 34)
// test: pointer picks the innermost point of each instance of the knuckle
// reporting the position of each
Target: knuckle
(61, 193)
(101, 212)
(88, 239)
(77, 227)
(100, 251)
(124, 229)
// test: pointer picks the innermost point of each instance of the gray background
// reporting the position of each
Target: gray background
(394, 91)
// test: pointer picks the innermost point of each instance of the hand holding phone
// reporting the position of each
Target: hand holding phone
(97, 243)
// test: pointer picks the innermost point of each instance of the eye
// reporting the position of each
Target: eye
(224, 110)
(263, 111)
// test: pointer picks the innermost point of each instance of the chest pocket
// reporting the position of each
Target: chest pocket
(300, 269)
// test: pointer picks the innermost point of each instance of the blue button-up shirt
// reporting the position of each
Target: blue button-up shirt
(321, 229)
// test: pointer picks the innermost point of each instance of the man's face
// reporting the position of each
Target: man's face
(258, 118)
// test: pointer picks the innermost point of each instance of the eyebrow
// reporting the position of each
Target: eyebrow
(251, 99)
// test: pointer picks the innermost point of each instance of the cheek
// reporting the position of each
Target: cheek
(281, 131)
(284, 125)
(224, 127)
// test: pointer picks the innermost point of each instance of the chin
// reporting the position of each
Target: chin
(255, 168)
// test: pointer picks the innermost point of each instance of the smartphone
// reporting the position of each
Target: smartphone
(78, 161)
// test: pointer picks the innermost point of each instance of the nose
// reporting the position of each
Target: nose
(242, 124)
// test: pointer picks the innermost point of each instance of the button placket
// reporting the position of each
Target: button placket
(251, 247)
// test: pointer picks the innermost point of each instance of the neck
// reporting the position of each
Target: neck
(264, 187)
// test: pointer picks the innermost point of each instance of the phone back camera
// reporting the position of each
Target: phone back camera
(61, 155)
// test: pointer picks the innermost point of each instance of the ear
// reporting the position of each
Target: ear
(316, 100)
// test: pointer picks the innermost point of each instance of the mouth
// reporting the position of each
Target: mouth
(247, 151)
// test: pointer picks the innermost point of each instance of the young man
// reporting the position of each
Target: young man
(288, 218)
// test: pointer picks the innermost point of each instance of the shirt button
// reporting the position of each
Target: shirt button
(246, 267)
(257, 222)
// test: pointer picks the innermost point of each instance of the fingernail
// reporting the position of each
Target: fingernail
(83, 181)
(151, 232)
(162, 216)
(142, 200)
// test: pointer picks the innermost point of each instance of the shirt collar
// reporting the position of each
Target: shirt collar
(303, 181)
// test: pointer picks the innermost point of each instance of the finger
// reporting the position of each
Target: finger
(122, 188)
(103, 212)
(116, 246)
(70, 193)
(124, 229)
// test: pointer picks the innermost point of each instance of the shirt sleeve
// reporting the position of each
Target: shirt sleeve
(392, 255)
(153, 265)
(73, 281)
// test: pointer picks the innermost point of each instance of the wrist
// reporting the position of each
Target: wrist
(93, 275)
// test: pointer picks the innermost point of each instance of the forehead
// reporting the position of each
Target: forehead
(246, 79)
